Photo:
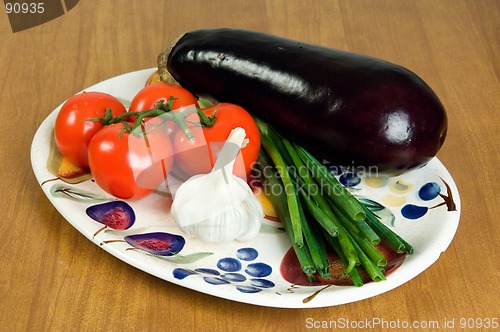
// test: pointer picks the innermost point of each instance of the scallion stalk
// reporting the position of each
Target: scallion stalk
(392, 239)
(367, 231)
(335, 245)
(336, 190)
(329, 221)
(288, 186)
(316, 248)
(304, 180)
(362, 241)
(278, 199)
(370, 267)
(319, 215)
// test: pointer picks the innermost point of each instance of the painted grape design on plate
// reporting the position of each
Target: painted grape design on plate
(229, 264)
(247, 254)
(234, 277)
(258, 270)
(412, 211)
(428, 192)
(349, 179)
(229, 272)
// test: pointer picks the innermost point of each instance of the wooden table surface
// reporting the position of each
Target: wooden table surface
(54, 279)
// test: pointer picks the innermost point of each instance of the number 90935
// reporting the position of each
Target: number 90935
(24, 7)
(478, 323)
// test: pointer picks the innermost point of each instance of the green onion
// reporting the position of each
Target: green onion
(337, 191)
(327, 217)
(314, 222)
(386, 234)
(321, 209)
(292, 198)
(319, 215)
(335, 245)
(358, 237)
(316, 248)
(370, 267)
(367, 231)
(279, 201)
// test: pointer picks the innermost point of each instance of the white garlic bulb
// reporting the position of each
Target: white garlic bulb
(219, 206)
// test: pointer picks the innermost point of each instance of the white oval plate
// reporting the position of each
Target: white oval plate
(205, 267)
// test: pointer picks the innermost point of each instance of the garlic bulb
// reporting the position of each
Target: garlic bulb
(219, 206)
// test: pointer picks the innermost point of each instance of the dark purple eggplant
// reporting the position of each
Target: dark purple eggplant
(347, 108)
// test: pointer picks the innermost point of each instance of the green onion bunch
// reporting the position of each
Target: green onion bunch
(319, 214)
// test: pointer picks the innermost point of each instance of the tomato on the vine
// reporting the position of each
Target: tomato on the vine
(127, 165)
(199, 155)
(73, 130)
(149, 96)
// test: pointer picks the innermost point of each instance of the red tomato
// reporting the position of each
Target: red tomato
(150, 95)
(198, 156)
(129, 166)
(73, 131)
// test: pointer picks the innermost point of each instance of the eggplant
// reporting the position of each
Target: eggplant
(350, 109)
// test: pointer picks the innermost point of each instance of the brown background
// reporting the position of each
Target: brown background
(54, 279)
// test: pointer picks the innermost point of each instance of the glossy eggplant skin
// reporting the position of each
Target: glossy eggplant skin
(350, 109)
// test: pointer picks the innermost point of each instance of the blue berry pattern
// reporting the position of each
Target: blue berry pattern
(241, 271)
(427, 193)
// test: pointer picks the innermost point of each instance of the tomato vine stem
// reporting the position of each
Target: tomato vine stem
(162, 109)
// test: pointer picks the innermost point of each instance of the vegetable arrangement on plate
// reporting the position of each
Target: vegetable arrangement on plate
(230, 109)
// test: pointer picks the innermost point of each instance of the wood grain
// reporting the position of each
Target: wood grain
(53, 279)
